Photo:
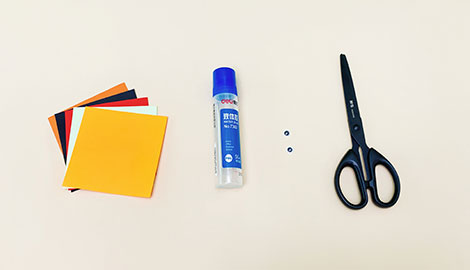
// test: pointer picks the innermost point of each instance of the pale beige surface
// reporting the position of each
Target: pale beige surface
(410, 64)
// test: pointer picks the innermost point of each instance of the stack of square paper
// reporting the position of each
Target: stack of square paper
(111, 143)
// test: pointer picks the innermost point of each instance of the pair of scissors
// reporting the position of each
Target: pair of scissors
(364, 170)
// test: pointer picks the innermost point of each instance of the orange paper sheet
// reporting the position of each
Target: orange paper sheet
(120, 88)
(116, 152)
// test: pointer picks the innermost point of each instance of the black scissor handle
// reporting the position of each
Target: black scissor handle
(375, 158)
(351, 160)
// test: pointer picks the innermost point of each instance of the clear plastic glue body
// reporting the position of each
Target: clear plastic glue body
(227, 155)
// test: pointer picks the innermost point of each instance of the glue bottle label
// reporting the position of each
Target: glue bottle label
(230, 139)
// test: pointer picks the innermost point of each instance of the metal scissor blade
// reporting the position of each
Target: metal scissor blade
(348, 87)
(352, 109)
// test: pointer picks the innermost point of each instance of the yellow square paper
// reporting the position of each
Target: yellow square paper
(116, 152)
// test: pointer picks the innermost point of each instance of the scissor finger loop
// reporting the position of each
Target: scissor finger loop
(352, 161)
(376, 159)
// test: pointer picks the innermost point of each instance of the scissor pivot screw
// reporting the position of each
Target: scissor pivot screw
(356, 127)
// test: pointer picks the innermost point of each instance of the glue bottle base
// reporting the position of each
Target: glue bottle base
(230, 178)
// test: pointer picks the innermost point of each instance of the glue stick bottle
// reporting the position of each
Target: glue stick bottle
(227, 156)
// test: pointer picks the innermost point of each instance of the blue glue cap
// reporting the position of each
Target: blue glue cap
(224, 81)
